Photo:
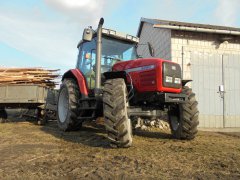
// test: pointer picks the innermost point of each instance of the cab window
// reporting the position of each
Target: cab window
(87, 61)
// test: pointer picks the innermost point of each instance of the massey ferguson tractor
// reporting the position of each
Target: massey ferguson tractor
(112, 81)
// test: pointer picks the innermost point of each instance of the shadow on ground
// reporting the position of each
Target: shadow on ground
(88, 135)
(94, 135)
(91, 134)
(153, 134)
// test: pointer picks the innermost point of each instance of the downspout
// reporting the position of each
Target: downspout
(182, 61)
(98, 58)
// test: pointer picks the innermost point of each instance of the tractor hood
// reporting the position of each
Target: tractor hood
(152, 74)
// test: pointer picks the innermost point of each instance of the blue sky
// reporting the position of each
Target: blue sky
(45, 33)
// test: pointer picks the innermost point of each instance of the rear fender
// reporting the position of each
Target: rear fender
(184, 82)
(79, 78)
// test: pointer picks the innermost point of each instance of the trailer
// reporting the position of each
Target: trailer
(29, 96)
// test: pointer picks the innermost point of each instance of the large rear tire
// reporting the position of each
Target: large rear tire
(68, 105)
(117, 122)
(183, 118)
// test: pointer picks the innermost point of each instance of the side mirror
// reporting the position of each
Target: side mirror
(151, 50)
(87, 34)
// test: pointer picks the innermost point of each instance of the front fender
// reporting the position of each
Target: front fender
(115, 74)
(79, 78)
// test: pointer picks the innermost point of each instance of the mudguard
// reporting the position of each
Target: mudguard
(78, 76)
(185, 81)
(115, 74)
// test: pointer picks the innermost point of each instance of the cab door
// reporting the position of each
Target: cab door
(86, 61)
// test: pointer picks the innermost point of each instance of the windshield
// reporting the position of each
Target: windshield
(117, 49)
(113, 51)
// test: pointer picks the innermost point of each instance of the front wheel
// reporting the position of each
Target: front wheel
(183, 118)
(117, 122)
(67, 107)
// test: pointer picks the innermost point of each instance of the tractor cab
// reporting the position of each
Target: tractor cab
(115, 47)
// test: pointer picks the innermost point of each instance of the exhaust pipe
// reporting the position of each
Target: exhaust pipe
(98, 57)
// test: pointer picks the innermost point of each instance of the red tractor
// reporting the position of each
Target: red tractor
(111, 81)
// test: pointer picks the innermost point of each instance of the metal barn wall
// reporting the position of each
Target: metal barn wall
(160, 40)
(231, 75)
(206, 73)
(211, 64)
(210, 71)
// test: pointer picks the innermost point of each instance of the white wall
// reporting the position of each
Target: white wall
(198, 42)
(209, 63)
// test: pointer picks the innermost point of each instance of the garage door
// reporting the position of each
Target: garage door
(231, 75)
(216, 81)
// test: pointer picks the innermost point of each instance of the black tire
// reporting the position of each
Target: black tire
(117, 122)
(183, 118)
(41, 116)
(67, 107)
(3, 116)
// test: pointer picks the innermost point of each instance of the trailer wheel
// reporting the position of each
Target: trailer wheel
(41, 116)
(67, 107)
(183, 118)
(3, 115)
(117, 122)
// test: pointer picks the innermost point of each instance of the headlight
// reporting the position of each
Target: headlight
(177, 81)
(169, 79)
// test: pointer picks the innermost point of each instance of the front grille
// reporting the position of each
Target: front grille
(148, 78)
(171, 71)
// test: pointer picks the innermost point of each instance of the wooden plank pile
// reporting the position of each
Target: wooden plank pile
(36, 76)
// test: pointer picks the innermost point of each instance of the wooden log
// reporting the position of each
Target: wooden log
(39, 76)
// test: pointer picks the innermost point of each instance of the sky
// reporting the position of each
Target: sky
(45, 33)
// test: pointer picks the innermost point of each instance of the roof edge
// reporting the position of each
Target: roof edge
(185, 24)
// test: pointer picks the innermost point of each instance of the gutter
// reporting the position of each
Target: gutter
(197, 29)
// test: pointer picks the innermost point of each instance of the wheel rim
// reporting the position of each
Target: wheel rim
(63, 105)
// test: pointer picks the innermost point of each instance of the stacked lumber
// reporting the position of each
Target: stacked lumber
(37, 76)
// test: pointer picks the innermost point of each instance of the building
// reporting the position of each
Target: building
(209, 55)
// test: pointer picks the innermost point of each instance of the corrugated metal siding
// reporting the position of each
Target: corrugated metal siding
(207, 74)
(231, 66)
(209, 70)
(160, 40)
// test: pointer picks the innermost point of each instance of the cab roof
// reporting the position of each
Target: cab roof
(116, 35)
(119, 35)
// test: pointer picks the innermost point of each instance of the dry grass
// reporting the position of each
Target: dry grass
(28, 151)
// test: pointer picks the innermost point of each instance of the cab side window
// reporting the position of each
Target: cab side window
(87, 61)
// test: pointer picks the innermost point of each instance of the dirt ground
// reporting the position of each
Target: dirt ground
(28, 151)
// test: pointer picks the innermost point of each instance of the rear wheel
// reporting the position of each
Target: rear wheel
(117, 122)
(67, 107)
(183, 118)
